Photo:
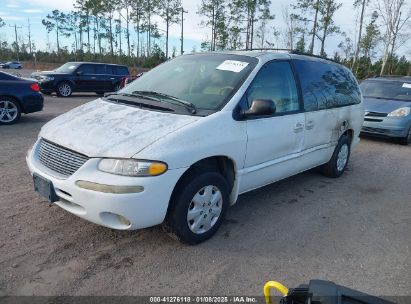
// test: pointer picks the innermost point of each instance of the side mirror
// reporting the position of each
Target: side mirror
(79, 73)
(260, 107)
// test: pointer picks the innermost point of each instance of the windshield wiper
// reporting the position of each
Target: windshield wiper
(134, 94)
(187, 104)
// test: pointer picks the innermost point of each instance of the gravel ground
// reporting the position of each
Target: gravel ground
(355, 230)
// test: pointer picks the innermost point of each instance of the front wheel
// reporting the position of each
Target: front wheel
(198, 207)
(64, 89)
(339, 160)
(407, 139)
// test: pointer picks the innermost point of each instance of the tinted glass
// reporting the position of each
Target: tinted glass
(206, 80)
(99, 69)
(120, 70)
(109, 70)
(397, 90)
(326, 85)
(86, 69)
(275, 81)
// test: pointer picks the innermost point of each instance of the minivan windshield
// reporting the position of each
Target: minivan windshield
(67, 67)
(397, 90)
(206, 81)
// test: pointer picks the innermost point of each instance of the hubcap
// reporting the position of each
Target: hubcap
(204, 209)
(64, 89)
(8, 111)
(342, 157)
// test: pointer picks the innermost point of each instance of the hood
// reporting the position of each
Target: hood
(383, 105)
(46, 73)
(104, 129)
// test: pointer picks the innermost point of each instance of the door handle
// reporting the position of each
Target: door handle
(93, 77)
(309, 125)
(298, 127)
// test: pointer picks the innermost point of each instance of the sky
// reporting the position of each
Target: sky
(20, 11)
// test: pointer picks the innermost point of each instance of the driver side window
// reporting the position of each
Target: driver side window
(275, 81)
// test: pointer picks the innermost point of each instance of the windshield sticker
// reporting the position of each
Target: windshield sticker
(232, 66)
(406, 85)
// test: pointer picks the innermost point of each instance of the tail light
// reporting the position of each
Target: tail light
(35, 87)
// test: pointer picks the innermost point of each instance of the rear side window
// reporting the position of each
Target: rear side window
(109, 69)
(326, 86)
(275, 81)
(100, 69)
(86, 69)
(120, 70)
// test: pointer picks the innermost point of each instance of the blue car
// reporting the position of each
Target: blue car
(387, 102)
(17, 96)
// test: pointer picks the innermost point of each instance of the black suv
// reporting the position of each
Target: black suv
(81, 77)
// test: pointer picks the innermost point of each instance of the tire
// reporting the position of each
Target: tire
(10, 111)
(339, 160)
(407, 139)
(64, 89)
(206, 216)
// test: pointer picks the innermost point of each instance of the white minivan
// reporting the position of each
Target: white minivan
(178, 145)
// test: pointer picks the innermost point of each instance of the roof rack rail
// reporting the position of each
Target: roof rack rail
(295, 52)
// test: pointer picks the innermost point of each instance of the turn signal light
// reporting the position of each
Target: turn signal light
(35, 87)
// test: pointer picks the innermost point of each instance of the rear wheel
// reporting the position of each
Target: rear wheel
(64, 89)
(407, 139)
(198, 207)
(10, 111)
(339, 160)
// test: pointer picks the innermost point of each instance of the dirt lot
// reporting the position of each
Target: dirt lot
(355, 231)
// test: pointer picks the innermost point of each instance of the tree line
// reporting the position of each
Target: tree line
(126, 31)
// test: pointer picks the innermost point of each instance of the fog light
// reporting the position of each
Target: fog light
(123, 220)
(109, 188)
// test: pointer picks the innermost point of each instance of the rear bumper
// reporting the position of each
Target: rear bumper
(32, 103)
(387, 126)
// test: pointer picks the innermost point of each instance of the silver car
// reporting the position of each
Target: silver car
(387, 102)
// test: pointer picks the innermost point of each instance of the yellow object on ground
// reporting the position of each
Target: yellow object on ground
(276, 285)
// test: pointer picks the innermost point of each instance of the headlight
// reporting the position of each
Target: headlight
(46, 78)
(401, 112)
(132, 167)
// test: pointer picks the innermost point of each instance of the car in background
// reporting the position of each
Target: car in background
(387, 102)
(17, 96)
(81, 77)
(129, 79)
(12, 65)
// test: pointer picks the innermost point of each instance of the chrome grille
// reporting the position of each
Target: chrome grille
(59, 159)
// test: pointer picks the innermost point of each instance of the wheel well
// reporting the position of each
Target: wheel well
(350, 134)
(221, 164)
(15, 99)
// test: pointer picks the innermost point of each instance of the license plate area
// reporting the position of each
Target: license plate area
(45, 188)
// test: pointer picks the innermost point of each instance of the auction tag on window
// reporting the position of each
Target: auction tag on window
(232, 66)
(406, 85)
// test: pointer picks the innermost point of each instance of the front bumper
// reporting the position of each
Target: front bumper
(47, 86)
(386, 126)
(143, 209)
